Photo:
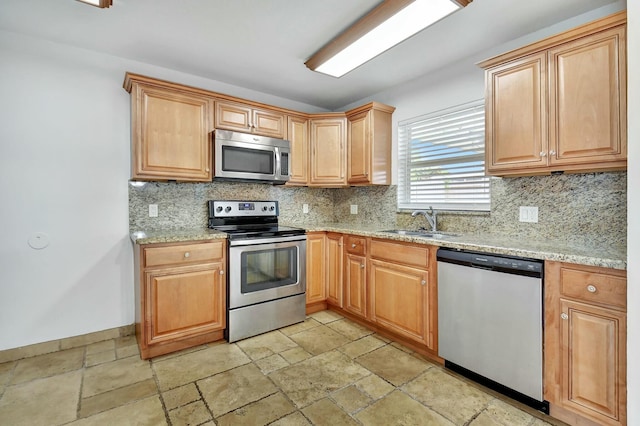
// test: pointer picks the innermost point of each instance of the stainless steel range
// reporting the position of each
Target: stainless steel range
(266, 267)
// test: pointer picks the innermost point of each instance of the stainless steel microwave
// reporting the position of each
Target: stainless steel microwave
(247, 157)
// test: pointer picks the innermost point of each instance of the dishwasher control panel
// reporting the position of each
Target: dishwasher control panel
(500, 263)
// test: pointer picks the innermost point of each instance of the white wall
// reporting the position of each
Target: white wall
(64, 167)
(633, 222)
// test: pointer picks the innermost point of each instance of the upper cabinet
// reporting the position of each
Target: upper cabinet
(170, 131)
(172, 139)
(369, 144)
(328, 151)
(298, 130)
(559, 104)
(249, 119)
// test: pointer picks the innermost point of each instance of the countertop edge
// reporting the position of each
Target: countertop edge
(462, 242)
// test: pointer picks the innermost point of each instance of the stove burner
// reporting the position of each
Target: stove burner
(248, 219)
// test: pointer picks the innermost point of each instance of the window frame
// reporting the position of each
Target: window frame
(450, 124)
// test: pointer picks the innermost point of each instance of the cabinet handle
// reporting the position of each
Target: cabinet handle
(221, 272)
(543, 154)
(353, 245)
(564, 316)
(552, 152)
(187, 254)
(362, 265)
(591, 288)
(423, 282)
(206, 170)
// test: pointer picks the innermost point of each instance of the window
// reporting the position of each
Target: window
(441, 160)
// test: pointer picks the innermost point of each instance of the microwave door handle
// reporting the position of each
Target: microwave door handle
(276, 151)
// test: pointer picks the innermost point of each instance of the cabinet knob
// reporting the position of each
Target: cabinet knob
(221, 272)
(543, 154)
(552, 152)
(187, 254)
(423, 282)
(353, 245)
(564, 316)
(362, 265)
(591, 288)
(206, 170)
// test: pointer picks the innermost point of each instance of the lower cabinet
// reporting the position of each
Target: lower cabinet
(399, 299)
(316, 272)
(180, 296)
(355, 291)
(585, 343)
(334, 268)
(390, 285)
(400, 290)
(355, 275)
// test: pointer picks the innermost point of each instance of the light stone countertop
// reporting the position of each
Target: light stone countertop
(585, 253)
(174, 236)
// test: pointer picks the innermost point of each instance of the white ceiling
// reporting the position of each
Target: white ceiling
(262, 44)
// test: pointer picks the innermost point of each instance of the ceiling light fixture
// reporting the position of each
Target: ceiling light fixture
(388, 24)
(98, 3)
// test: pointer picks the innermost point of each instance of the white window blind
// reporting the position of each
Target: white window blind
(441, 160)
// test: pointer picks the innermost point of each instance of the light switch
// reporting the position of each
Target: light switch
(153, 210)
(305, 208)
(354, 209)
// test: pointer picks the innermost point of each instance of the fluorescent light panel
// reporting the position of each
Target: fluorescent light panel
(98, 3)
(408, 21)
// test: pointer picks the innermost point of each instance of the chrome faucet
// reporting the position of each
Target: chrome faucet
(431, 216)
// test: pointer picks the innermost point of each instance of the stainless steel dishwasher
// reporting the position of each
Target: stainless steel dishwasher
(490, 321)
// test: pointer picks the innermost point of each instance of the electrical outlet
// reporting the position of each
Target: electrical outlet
(305, 208)
(354, 209)
(153, 210)
(528, 214)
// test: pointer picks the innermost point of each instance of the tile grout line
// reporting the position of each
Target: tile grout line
(84, 369)
(160, 394)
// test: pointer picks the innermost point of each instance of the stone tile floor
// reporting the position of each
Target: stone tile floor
(325, 371)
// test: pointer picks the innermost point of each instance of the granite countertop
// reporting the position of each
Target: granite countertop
(174, 236)
(583, 253)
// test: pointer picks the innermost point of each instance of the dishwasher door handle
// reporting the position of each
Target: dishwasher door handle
(478, 266)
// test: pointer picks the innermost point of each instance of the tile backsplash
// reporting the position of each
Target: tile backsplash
(570, 207)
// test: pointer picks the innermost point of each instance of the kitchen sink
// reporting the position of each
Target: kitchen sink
(421, 233)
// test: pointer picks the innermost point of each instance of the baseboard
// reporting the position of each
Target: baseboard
(66, 343)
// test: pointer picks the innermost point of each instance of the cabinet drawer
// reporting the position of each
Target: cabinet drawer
(594, 286)
(183, 254)
(356, 245)
(400, 253)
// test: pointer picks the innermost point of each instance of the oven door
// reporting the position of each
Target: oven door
(266, 269)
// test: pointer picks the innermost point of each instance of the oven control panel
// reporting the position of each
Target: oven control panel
(245, 208)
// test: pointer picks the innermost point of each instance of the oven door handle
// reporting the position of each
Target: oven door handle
(271, 240)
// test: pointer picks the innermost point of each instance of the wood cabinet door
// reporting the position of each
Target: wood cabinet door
(516, 121)
(269, 123)
(355, 292)
(359, 148)
(399, 299)
(171, 134)
(587, 99)
(334, 269)
(245, 118)
(316, 275)
(184, 302)
(299, 159)
(593, 350)
(233, 116)
(328, 152)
